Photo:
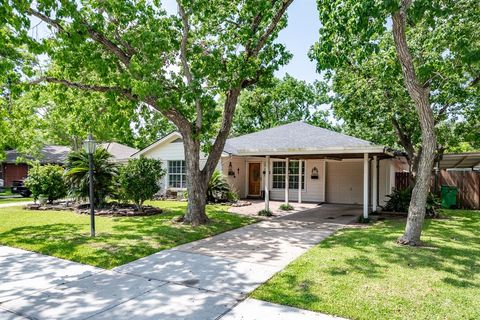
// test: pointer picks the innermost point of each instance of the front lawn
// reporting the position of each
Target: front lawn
(119, 240)
(363, 274)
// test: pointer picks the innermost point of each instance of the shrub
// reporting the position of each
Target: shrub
(139, 180)
(399, 201)
(286, 207)
(265, 213)
(218, 188)
(46, 181)
(77, 174)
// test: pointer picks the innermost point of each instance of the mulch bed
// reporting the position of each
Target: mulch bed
(113, 209)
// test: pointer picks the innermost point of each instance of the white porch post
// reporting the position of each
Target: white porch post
(365, 185)
(266, 182)
(374, 184)
(299, 181)
(287, 162)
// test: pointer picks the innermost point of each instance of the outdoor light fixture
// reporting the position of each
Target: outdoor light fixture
(90, 146)
(314, 173)
(230, 170)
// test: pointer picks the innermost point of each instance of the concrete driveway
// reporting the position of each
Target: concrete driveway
(206, 279)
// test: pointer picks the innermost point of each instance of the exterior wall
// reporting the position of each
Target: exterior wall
(13, 172)
(170, 151)
(238, 181)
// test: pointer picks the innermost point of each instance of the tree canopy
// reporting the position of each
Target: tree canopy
(177, 64)
(279, 102)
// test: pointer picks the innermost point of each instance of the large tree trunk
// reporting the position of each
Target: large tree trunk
(196, 184)
(421, 97)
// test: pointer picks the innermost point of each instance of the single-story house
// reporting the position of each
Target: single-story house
(293, 162)
(15, 167)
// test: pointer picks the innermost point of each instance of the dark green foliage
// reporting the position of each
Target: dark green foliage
(46, 181)
(286, 207)
(399, 201)
(139, 179)
(77, 176)
(265, 213)
(218, 189)
(281, 101)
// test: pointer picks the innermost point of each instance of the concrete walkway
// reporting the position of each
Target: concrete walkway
(206, 279)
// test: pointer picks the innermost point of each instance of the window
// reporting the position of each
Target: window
(176, 174)
(278, 174)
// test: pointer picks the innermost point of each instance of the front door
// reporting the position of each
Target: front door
(254, 179)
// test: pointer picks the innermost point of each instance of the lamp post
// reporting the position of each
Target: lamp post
(90, 147)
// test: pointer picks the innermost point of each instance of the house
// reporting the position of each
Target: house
(15, 166)
(293, 162)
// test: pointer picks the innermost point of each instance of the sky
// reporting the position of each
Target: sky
(300, 34)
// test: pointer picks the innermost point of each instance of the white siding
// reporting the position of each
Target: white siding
(170, 150)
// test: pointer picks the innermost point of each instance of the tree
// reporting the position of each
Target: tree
(281, 101)
(370, 99)
(46, 180)
(69, 115)
(77, 174)
(433, 41)
(176, 64)
(139, 179)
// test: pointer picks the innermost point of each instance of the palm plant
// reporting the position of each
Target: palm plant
(218, 187)
(77, 175)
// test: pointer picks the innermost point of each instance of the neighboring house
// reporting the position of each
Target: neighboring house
(328, 166)
(15, 167)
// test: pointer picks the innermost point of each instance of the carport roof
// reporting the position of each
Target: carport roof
(299, 138)
(463, 160)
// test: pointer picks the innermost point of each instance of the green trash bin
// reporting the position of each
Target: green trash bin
(449, 197)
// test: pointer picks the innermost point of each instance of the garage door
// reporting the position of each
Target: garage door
(345, 182)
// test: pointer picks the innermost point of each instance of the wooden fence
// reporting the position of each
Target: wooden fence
(468, 184)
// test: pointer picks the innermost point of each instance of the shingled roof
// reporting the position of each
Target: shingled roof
(48, 154)
(296, 137)
(58, 154)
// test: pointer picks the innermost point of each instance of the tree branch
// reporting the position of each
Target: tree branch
(271, 28)
(94, 35)
(186, 67)
(54, 23)
(87, 87)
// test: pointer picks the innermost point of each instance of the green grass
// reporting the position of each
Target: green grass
(364, 274)
(7, 192)
(119, 240)
(12, 200)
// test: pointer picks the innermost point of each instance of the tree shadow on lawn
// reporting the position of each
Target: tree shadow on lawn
(451, 246)
(125, 240)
